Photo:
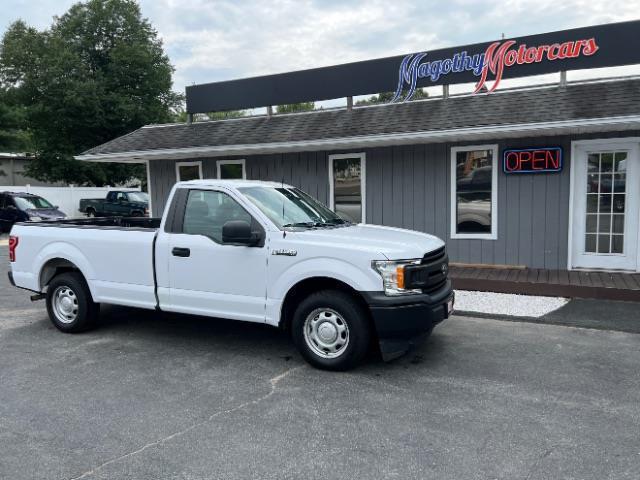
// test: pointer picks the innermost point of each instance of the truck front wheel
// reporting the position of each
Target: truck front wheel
(69, 303)
(331, 330)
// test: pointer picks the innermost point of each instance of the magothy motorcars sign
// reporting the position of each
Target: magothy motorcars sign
(483, 64)
(490, 64)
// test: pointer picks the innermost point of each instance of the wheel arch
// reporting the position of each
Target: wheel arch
(54, 267)
(305, 287)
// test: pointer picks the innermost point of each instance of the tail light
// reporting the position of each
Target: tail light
(13, 244)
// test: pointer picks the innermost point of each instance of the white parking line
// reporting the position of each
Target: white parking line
(4, 243)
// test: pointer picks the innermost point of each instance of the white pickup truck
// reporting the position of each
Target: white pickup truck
(245, 250)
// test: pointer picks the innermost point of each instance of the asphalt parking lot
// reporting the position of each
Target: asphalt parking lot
(172, 397)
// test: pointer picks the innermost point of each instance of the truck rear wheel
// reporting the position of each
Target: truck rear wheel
(69, 303)
(331, 330)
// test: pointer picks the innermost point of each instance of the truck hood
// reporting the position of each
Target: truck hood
(389, 242)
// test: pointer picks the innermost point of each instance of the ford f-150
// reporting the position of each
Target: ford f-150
(245, 250)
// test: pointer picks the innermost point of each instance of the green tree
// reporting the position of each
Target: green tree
(180, 115)
(226, 115)
(386, 97)
(14, 136)
(296, 107)
(97, 73)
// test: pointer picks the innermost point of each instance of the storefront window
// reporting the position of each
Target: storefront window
(473, 189)
(347, 186)
(186, 171)
(231, 170)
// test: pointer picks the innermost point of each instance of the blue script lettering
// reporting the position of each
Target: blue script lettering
(413, 68)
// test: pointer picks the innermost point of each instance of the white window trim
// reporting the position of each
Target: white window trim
(188, 164)
(363, 180)
(232, 162)
(149, 187)
(494, 194)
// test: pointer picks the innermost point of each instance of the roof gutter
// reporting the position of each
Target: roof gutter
(432, 136)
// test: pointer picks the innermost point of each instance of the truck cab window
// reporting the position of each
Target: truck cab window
(207, 211)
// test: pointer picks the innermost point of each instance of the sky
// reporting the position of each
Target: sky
(214, 40)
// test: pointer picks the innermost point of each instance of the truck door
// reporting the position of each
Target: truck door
(206, 276)
(109, 206)
(122, 204)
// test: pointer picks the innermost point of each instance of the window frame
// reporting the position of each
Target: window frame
(188, 164)
(493, 235)
(232, 162)
(363, 180)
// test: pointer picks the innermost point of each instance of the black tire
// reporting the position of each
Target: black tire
(91, 212)
(82, 310)
(336, 307)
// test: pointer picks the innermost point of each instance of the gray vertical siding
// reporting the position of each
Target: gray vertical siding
(409, 186)
(163, 177)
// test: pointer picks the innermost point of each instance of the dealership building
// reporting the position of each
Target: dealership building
(543, 177)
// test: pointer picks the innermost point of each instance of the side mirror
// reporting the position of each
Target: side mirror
(238, 232)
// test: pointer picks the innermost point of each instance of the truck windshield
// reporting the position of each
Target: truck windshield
(31, 202)
(290, 207)
(141, 197)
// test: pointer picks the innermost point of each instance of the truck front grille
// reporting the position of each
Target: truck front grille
(434, 256)
(431, 275)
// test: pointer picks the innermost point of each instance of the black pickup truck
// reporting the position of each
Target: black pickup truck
(117, 204)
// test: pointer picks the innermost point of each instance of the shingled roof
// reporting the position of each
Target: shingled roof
(580, 105)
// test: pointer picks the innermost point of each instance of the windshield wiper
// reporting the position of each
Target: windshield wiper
(337, 221)
(302, 224)
(327, 223)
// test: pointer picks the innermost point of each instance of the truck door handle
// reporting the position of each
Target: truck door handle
(180, 252)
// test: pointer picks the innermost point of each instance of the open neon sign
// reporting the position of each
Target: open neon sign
(532, 160)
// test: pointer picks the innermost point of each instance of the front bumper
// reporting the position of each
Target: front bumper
(403, 321)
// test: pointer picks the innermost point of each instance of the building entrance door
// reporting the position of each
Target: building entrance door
(606, 191)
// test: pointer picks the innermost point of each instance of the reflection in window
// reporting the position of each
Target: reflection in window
(474, 174)
(188, 172)
(347, 188)
(231, 170)
(606, 195)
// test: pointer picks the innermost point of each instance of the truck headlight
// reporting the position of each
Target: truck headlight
(392, 273)
(35, 219)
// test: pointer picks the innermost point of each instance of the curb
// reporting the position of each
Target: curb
(543, 321)
(497, 316)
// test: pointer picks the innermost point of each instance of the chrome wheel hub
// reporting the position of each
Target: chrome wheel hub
(65, 305)
(326, 333)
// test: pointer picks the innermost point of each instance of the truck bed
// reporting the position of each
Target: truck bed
(114, 254)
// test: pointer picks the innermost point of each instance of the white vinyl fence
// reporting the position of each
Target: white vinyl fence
(67, 198)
